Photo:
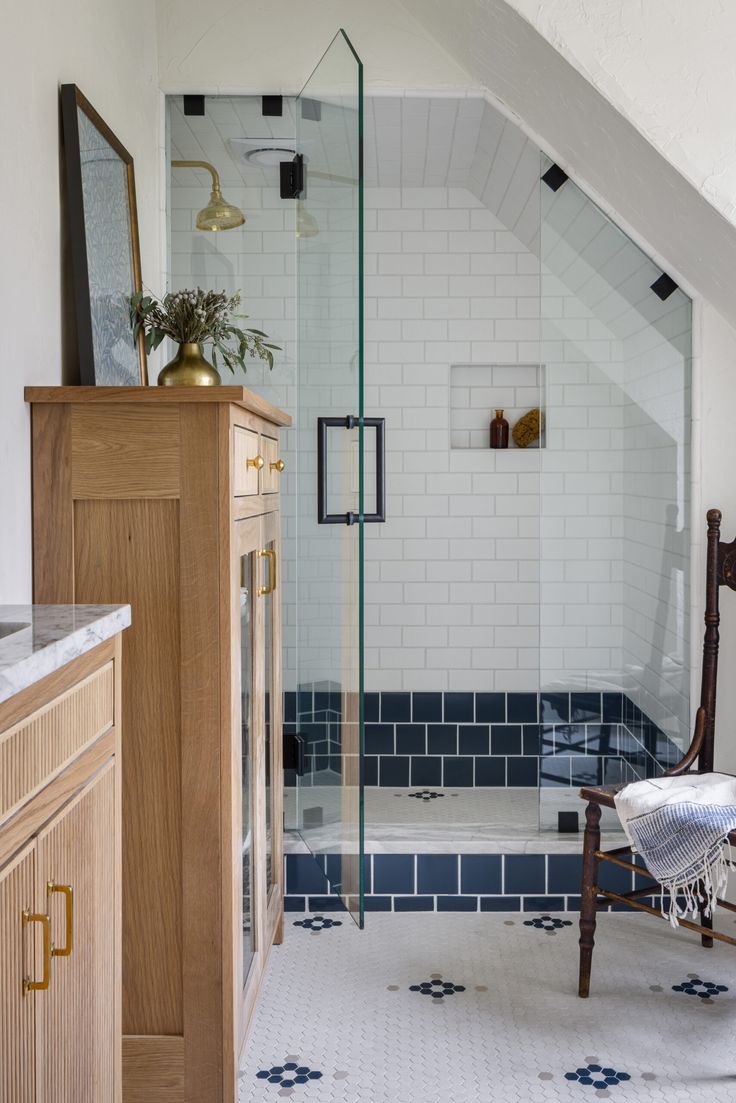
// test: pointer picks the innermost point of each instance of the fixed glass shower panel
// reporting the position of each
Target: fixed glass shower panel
(329, 513)
(615, 508)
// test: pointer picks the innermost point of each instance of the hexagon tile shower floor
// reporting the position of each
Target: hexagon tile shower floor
(482, 1008)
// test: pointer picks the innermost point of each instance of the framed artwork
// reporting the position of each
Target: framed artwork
(103, 228)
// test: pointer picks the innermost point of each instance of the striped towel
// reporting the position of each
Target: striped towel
(680, 825)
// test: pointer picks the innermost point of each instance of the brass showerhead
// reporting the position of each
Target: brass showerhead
(218, 214)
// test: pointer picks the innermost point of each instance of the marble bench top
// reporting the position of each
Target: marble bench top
(51, 636)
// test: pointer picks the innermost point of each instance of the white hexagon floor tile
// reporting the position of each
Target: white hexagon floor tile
(431, 1008)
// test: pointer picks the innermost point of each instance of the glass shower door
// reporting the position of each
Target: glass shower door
(329, 430)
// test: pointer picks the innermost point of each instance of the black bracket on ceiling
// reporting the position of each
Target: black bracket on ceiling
(272, 105)
(663, 286)
(194, 105)
(291, 176)
(555, 177)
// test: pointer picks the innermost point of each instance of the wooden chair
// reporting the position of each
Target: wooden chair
(720, 571)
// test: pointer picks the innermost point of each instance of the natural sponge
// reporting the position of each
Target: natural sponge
(528, 429)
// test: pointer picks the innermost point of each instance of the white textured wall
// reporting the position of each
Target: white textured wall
(667, 65)
(109, 50)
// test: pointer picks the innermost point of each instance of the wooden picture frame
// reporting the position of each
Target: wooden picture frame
(105, 251)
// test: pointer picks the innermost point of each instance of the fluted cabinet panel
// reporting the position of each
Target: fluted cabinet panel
(17, 958)
(38, 747)
(77, 1013)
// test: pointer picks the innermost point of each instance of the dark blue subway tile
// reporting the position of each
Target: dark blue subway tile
(414, 903)
(377, 903)
(480, 874)
(573, 903)
(427, 707)
(522, 771)
(617, 879)
(395, 707)
(442, 738)
(569, 739)
(613, 708)
(457, 903)
(394, 771)
(303, 875)
(490, 772)
(500, 904)
(490, 708)
(601, 739)
(460, 707)
(379, 739)
(290, 706)
(367, 873)
(458, 772)
(544, 903)
(426, 770)
(370, 770)
(474, 739)
(394, 874)
(522, 708)
(506, 739)
(295, 903)
(321, 700)
(555, 708)
(372, 712)
(411, 739)
(585, 707)
(531, 739)
(554, 770)
(326, 904)
(564, 872)
(305, 702)
(437, 873)
(524, 873)
(586, 770)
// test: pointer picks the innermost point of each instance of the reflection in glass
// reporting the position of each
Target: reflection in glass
(246, 672)
(268, 671)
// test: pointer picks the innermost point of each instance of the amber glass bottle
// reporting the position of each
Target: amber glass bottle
(499, 431)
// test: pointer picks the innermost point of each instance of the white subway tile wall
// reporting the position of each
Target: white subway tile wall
(511, 571)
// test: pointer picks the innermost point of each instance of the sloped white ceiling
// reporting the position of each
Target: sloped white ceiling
(595, 143)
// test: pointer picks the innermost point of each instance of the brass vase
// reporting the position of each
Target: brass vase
(188, 369)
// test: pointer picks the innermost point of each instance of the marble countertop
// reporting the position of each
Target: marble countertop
(50, 637)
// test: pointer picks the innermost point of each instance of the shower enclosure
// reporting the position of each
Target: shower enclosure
(524, 624)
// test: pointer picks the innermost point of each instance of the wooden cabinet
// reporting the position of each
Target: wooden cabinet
(60, 937)
(168, 499)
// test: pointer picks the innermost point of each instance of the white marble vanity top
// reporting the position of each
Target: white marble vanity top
(50, 637)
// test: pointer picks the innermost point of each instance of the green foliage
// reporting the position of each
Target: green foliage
(199, 317)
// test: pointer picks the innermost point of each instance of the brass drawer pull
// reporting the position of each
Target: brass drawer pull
(256, 462)
(269, 588)
(39, 985)
(67, 890)
(279, 466)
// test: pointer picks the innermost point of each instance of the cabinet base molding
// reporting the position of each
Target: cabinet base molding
(153, 1068)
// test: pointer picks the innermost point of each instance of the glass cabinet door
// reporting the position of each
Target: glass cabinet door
(247, 667)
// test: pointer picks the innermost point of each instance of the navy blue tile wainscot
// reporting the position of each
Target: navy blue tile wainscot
(460, 740)
(454, 882)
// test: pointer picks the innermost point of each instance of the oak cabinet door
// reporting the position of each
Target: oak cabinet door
(18, 960)
(75, 879)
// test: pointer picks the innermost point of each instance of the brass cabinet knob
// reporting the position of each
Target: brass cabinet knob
(279, 466)
(256, 462)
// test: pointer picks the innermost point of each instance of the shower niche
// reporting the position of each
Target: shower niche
(478, 390)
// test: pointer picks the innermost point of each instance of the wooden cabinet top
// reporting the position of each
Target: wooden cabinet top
(167, 396)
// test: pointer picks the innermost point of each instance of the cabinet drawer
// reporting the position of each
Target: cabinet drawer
(246, 447)
(35, 749)
(270, 475)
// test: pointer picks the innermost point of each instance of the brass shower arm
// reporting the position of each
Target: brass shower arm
(199, 165)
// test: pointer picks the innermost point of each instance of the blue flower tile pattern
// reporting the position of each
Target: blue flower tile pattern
(694, 986)
(437, 988)
(317, 923)
(548, 923)
(426, 794)
(598, 1076)
(289, 1074)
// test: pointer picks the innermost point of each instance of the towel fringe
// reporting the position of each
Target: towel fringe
(700, 892)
